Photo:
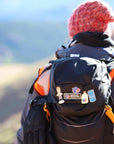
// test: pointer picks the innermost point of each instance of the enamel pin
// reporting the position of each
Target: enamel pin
(84, 98)
(59, 95)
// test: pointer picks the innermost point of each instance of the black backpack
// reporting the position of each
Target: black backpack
(80, 88)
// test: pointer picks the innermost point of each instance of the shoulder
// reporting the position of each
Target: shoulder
(41, 85)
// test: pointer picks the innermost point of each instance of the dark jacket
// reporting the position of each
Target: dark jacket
(89, 44)
(95, 45)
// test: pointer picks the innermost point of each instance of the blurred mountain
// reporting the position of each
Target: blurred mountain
(15, 81)
(26, 42)
(32, 30)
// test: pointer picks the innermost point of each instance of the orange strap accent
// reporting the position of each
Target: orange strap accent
(37, 87)
(47, 112)
(109, 113)
(40, 70)
(112, 75)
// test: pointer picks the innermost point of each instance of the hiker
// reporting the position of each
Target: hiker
(90, 36)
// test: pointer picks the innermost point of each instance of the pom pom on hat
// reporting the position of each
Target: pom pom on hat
(92, 15)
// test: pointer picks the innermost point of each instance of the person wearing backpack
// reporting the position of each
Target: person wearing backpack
(59, 112)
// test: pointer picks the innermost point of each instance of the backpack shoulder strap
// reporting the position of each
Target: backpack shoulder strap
(45, 78)
(110, 68)
(108, 109)
(109, 113)
(40, 72)
(112, 75)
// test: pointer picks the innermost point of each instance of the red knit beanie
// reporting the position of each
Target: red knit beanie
(92, 15)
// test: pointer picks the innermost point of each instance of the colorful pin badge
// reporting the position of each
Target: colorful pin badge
(59, 95)
(84, 98)
(75, 90)
(91, 95)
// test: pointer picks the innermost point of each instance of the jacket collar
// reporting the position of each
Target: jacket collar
(95, 39)
(94, 45)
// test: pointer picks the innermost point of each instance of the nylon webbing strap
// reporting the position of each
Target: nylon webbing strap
(108, 109)
(112, 76)
(37, 87)
(47, 112)
(109, 113)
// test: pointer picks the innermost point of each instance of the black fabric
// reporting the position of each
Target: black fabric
(110, 67)
(85, 73)
(84, 129)
(109, 132)
(89, 44)
(95, 39)
(72, 121)
(35, 125)
(32, 87)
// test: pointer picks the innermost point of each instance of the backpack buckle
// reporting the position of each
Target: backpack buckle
(47, 112)
(109, 113)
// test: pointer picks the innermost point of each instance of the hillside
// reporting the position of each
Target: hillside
(27, 42)
(15, 81)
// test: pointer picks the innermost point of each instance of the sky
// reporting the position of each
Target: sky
(10, 9)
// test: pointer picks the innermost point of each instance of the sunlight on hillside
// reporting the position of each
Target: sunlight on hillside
(8, 129)
(14, 85)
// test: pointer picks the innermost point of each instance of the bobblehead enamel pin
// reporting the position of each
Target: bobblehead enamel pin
(59, 95)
